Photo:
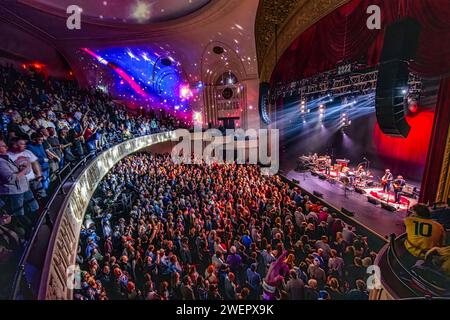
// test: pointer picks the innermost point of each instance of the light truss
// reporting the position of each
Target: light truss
(361, 83)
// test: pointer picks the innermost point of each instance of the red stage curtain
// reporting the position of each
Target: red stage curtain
(343, 35)
(437, 145)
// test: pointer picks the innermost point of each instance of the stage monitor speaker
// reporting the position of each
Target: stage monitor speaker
(371, 184)
(388, 207)
(322, 176)
(400, 45)
(314, 173)
(359, 190)
(372, 200)
(401, 40)
(347, 212)
(295, 181)
(318, 194)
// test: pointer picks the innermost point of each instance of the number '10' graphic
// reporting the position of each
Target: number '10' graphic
(422, 228)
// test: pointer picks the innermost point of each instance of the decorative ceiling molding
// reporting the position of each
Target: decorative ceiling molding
(292, 18)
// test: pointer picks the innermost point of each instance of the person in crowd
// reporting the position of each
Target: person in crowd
(25, 158)
(186, 289)
(55, 145)
(15, 193)
(37, 148)
(295, 287)
(254, 282)
(358, 293)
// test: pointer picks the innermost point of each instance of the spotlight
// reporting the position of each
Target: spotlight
(404, 91)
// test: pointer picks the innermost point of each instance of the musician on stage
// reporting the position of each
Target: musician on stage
(398, 183)
(386, 180)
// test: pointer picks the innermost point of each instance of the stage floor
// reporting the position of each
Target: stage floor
(372, 216)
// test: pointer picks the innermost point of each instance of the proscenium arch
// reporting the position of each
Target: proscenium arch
(305, 14)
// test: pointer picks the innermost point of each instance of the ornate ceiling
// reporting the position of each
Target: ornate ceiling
(230, 22)
(290, 18)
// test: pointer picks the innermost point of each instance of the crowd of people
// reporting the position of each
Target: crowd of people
(156, 230)
(46, 124)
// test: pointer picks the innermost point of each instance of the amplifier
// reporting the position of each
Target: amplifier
(359, 190)
(388, 207)
(318, 194)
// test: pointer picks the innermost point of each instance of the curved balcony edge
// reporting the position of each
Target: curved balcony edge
(58, 273)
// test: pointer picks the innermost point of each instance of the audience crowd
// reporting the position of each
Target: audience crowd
(45, 124)
(156, 230)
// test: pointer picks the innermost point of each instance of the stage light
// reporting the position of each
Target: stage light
(185, 92)
(321, 109)
(404, 91)
(413, 106)
(198, 118)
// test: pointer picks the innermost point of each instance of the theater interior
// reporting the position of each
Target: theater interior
(259, 150)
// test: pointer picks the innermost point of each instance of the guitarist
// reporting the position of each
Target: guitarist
(399, 183)
(386, 180)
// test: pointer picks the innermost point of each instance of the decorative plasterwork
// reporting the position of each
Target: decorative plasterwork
(292, 17)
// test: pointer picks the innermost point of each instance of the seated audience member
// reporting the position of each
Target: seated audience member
(438, 258)
(37, 148)
(66, 146)
(358, 293)
(55, 144)
(422, 233)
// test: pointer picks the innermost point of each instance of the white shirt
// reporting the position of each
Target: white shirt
(46, 124)
(23, 158)
(78, 115)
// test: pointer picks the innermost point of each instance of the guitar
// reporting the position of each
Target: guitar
(398, 186)
(385, 180)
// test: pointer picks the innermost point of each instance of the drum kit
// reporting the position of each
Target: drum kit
(349, 177)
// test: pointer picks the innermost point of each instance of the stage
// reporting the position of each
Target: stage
(374, 217)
